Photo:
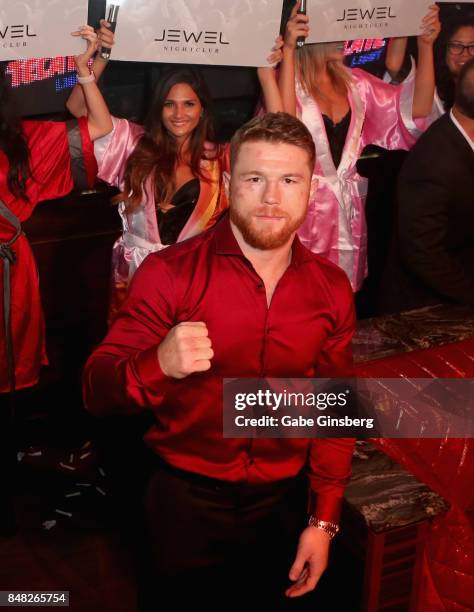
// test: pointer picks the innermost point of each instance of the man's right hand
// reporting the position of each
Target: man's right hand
(186, 348)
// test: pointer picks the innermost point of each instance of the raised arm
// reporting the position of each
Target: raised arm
(76, 103)
(268, 79)
(99, 120)
(425, 74)
(297, 26)
(396, 50)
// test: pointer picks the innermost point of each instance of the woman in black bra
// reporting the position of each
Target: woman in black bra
(345, 110)
(169, 190)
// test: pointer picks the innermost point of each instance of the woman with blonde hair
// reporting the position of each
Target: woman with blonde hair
(346, 110)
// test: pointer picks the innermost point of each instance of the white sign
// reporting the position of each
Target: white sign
(336, 20)
(40, 28)
(221, 32)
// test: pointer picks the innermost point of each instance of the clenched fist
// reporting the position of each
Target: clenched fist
(186, 349)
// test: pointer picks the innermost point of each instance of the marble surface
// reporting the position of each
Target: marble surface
(385, 494)
(408, 331)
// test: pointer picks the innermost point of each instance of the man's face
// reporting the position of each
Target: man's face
(269, 192)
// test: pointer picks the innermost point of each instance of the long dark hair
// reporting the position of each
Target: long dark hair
(445, 83)
(12, 142)
(157, 150)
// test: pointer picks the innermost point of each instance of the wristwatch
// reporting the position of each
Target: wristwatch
(330, 528)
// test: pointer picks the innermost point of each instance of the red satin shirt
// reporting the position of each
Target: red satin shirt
(306, 332)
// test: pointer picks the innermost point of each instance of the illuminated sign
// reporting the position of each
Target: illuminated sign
(25, 72)
(364, 50)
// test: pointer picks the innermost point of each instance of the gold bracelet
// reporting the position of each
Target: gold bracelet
(330, 528)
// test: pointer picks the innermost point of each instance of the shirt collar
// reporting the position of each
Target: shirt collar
(225, 241)
(226, 244)
(461, 129)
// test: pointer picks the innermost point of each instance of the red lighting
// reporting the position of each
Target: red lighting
(24, 72)
(361, 45)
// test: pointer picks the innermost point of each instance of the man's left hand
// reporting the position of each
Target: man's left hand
(311, 561)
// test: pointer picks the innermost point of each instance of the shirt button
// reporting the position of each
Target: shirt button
(260, 286)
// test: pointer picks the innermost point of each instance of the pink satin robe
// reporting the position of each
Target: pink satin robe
(335, 225)
(140, 228)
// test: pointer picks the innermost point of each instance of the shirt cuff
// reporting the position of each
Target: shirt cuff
(325, 507)
(147, 368)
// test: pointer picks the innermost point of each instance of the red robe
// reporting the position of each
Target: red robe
(52, 177)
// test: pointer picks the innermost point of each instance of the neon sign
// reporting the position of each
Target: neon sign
(364, 50)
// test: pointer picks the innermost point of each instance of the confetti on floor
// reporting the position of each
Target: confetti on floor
(69, 514)
(49, 524)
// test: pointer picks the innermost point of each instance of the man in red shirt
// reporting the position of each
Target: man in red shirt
(244, 299)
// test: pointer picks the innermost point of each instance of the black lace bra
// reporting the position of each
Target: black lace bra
(171, 222)
(337, 134)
